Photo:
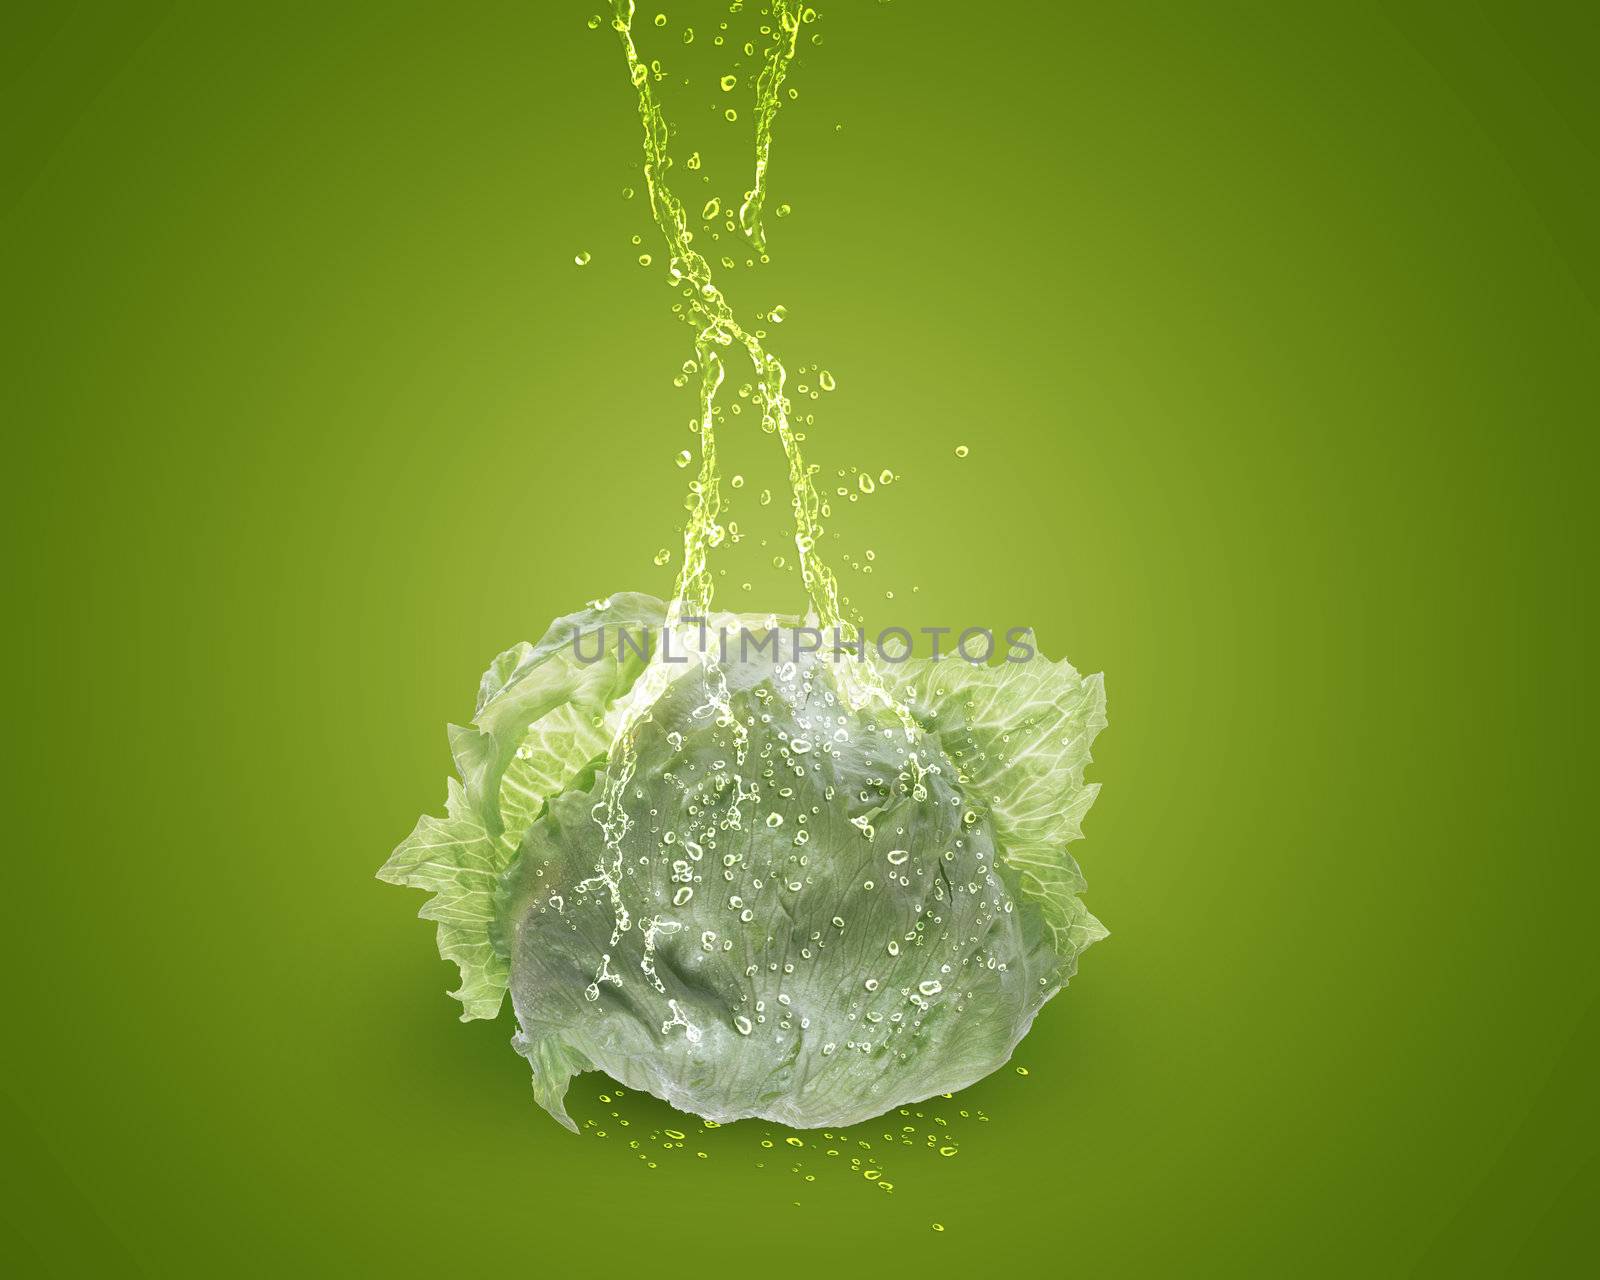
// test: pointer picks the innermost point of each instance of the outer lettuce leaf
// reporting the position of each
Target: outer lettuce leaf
(455, 858)
(527, 683)
(1020, 734)
(541, 717)
(552, 751)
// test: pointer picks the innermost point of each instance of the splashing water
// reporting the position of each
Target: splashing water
(719, 330)
(907, 1142)
(719, 334)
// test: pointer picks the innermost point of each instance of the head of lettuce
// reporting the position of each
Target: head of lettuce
(733, 882)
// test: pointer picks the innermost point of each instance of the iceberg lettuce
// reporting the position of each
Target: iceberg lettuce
(737, 886)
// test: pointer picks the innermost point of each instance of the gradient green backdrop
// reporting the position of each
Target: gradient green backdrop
(1272, 331)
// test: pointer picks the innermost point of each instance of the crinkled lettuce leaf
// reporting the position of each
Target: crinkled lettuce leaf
(1020, 734)
(542, 715)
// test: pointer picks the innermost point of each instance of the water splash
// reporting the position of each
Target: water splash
(719, 329)
(720, 337)
(904, 1147)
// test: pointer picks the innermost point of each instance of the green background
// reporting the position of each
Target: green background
(1272, 331)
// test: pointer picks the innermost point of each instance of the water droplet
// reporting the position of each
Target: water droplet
(684, 458)
(712, 206)
(777, 314)
(728, 82)
(663, 556)
(1022, 1071)
(730, 114)
(582, 259)
(644, 259)
(741, 1024)
(825, 381)
(961, 451)
(737, 482)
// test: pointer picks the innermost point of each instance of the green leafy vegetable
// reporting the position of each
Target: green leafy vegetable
(724, 883)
